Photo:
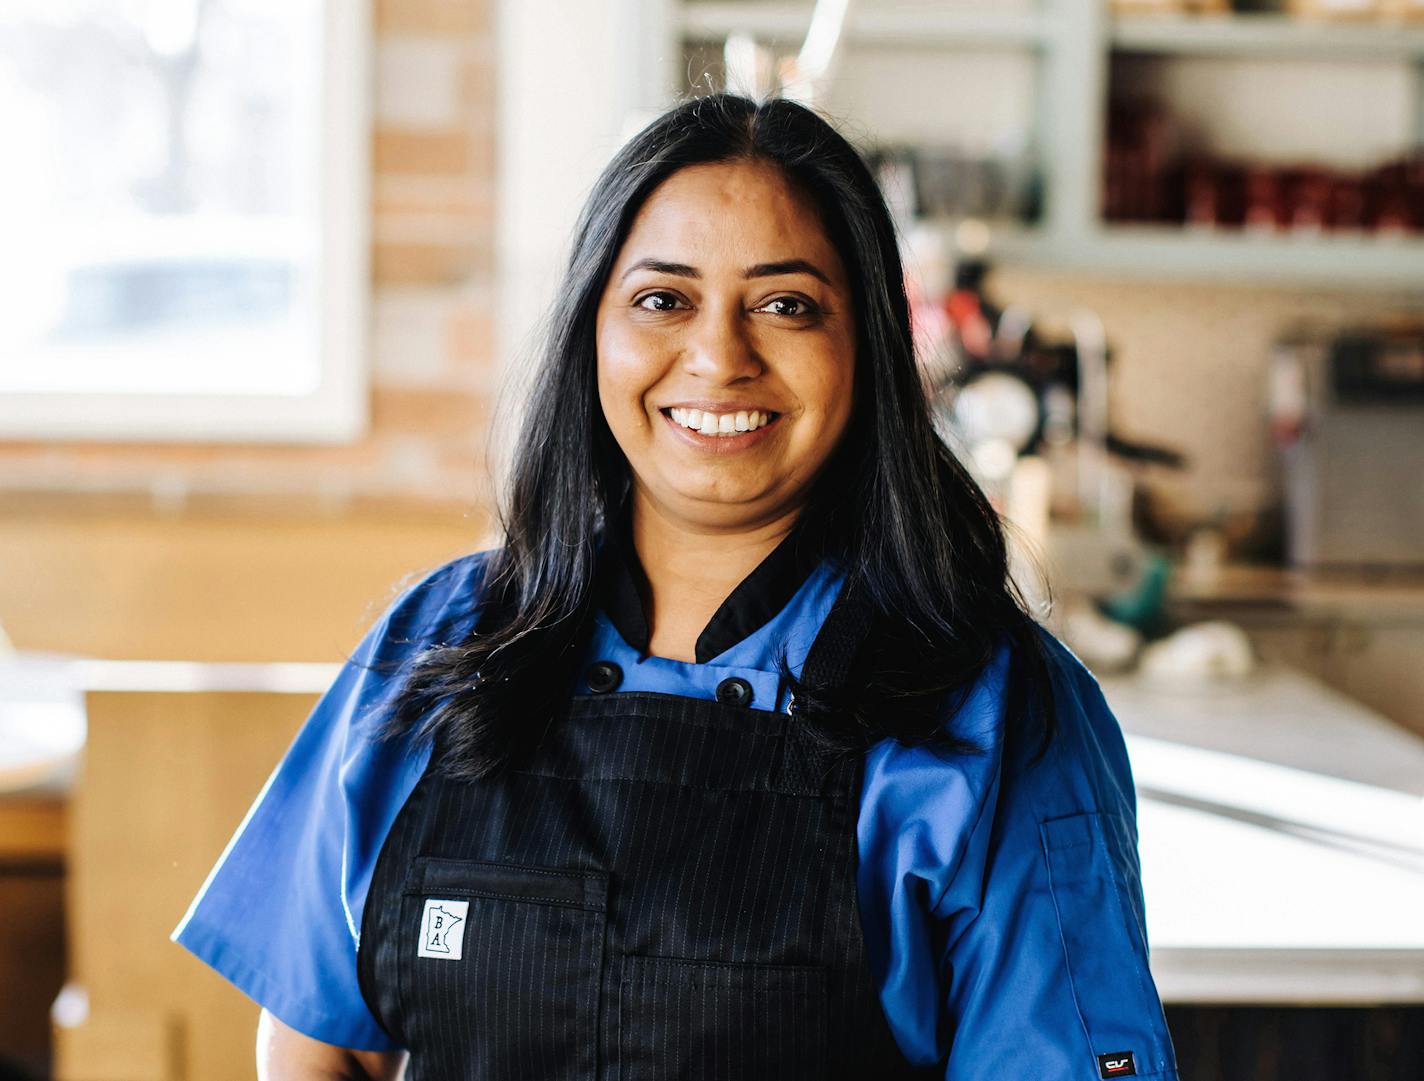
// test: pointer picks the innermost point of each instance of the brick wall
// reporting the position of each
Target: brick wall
(431, 335)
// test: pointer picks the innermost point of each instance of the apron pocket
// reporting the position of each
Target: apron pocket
(703, 1019)
(501, 968)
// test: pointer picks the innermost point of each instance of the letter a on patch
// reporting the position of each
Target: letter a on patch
(442, 929)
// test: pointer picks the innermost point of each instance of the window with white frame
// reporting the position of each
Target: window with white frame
(183, 219)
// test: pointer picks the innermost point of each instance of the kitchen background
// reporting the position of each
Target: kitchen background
(360, 209)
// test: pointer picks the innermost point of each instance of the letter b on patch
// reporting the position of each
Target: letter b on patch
(442, 929)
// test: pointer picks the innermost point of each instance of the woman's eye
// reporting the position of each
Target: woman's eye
(658, 302)
(790, 307)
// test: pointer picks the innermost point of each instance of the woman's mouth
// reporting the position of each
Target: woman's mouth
(707, 423)
(721, 432)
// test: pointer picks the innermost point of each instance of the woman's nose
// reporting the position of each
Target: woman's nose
(720, 349)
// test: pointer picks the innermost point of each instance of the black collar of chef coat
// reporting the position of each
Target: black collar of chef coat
(624, 593)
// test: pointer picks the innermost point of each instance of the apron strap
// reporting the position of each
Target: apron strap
(835, 647)
(809, 760)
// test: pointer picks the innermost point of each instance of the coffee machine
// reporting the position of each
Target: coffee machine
(1347, 414)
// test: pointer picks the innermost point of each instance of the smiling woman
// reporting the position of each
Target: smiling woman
(740, 758)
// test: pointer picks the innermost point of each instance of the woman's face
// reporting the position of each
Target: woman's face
(726, 347)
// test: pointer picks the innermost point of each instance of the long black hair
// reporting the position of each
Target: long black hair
(917, 539)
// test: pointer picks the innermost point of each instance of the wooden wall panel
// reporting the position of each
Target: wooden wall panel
(213, 587)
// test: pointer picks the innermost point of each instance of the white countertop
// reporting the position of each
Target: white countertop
(42, 720)
(1282, 837)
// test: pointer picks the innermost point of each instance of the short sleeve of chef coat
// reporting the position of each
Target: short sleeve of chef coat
(1005, 891)
(280, 913)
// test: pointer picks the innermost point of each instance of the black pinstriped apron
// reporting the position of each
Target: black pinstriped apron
(666, 890)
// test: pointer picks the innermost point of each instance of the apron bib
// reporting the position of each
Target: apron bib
(666, 890)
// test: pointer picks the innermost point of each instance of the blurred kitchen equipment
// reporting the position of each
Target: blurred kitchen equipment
(999, 391)
(1347, 413)
(1002, 389)
(1027, 411)
(1103, 644)
(1203, 651)
(990, 181)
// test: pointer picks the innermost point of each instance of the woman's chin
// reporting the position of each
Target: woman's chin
(716, 503)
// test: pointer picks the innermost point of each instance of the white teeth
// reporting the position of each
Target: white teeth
(719, 424)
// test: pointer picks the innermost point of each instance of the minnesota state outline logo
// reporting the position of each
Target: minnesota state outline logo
(442, 929)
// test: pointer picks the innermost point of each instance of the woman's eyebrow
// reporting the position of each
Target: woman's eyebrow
(660, 266)
(786, 266)
(761, 270)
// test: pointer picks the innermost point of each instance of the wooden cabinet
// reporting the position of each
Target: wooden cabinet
(167, 778)
(31, 929)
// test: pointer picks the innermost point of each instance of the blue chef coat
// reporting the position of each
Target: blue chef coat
(999, 895)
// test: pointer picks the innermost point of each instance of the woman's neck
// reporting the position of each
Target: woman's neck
(691, 570)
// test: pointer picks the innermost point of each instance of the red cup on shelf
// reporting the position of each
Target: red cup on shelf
(1347, 204)
(1310, 201)
(1268, 206)
(1203, 195)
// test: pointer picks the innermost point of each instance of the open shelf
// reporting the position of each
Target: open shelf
(1074, 42)
(1236, 257)
(1266, 36)
(924, 28)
